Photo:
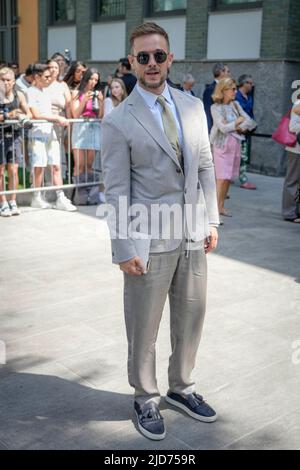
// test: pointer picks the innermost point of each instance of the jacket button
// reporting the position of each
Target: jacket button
(177, 170)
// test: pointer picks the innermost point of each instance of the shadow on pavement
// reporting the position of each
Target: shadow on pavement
(43, 411)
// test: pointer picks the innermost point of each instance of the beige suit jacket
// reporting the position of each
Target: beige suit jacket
(139, 164)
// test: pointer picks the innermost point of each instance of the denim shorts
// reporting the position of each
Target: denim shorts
(86, 135)
(44, 152)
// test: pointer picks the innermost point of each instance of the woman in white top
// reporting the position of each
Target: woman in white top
(292, 178)
(229, 123)
(60, 96)
(59, 91)
(118, 94)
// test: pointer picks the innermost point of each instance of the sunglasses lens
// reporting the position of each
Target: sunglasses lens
(143, 58)
(160, 57)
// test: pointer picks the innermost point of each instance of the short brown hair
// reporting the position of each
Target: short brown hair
(39, 69)
(222, 85)
(148, 28)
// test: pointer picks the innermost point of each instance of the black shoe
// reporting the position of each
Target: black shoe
(193, 405)
(150, 421)
(296, 220)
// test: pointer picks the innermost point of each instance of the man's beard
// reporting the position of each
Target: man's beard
(153, 85)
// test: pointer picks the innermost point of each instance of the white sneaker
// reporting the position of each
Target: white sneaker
(14, 208)
(39, 203)
(5, 210)
(64, 204)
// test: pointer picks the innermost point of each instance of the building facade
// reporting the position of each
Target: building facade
(19, 31)
(261, 38)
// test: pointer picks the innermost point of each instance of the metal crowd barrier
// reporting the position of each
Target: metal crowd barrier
(27, 175)
(8, 130)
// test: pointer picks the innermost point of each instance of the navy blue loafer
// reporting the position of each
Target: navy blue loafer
(194, 405)
(149, 420)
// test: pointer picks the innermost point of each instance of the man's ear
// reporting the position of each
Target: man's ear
(131, 60)
(170, 59)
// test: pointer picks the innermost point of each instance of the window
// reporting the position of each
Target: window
(166, 6)
(235, 4)
(110, 9)
(2, 46)
(63, 11)
(3, 13)
(8, 31)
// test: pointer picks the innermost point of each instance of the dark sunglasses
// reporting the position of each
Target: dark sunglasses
(159, 56)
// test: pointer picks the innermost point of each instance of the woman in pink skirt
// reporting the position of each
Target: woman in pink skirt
(229, 123)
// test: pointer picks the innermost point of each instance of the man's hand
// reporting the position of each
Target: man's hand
(134, 266)
(211, 242)
(88, 96)
(15, 114)
(62, 121)
(239, 121)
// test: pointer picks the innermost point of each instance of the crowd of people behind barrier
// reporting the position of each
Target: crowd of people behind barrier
(50, 92)
(56, 92)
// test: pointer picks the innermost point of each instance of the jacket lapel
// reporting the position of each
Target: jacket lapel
(142, 114)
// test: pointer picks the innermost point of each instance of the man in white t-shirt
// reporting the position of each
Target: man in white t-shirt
(45, 147)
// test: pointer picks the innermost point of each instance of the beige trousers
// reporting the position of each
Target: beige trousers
(182, 276)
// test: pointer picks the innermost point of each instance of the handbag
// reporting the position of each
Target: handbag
(282, 134)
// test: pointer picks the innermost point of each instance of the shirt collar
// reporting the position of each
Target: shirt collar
(151, 98)
(241, 95)
(166, 94)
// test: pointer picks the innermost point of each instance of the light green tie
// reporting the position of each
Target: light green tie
(170, 127)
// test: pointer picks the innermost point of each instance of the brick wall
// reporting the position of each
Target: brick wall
(293, 41)
(134, 16)
(84, 17)
(196, 29)
(275, 25)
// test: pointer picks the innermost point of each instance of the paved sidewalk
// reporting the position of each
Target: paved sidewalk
(64, 385)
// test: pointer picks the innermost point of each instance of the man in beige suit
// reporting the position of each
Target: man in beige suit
(156, 154)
